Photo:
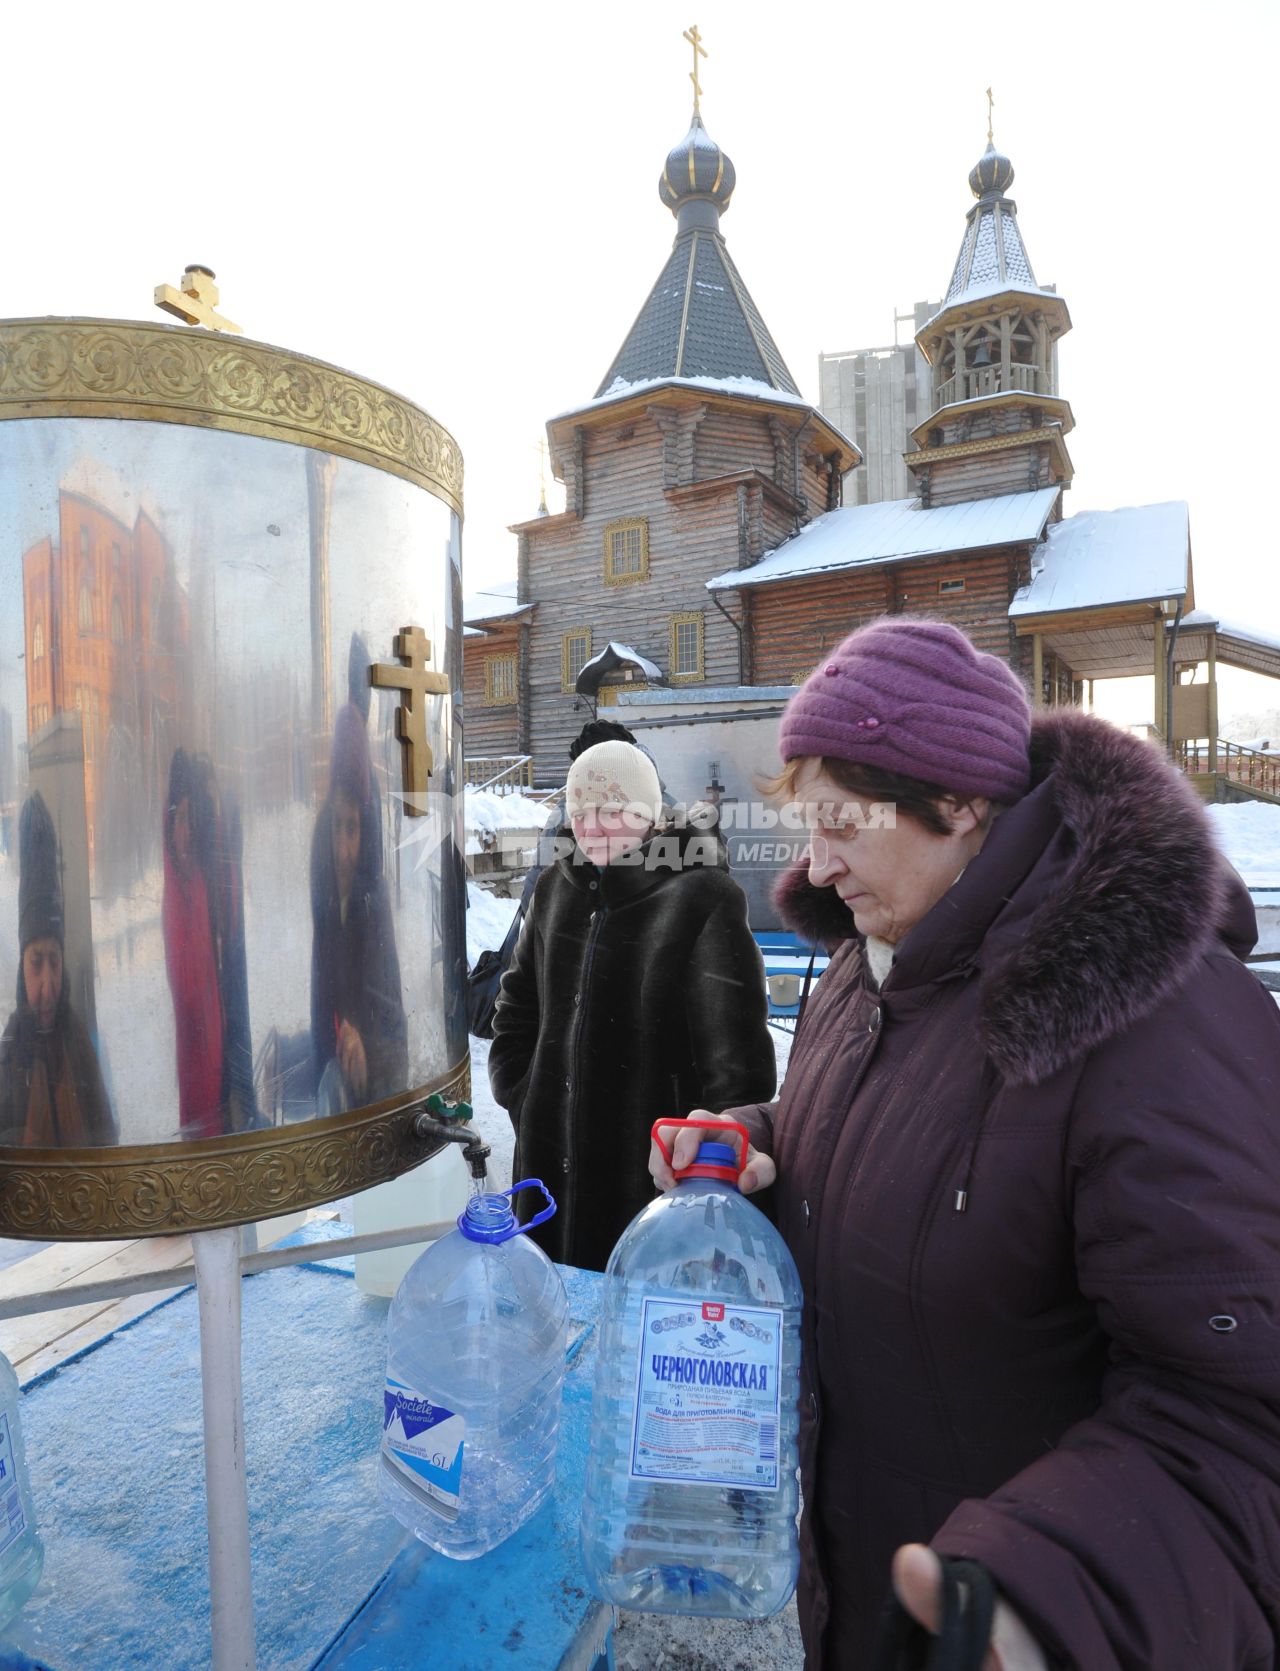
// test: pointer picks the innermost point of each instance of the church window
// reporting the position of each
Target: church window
(951, 585)
(37, 642)
(84, 542)
(499, 681)
(575, 651)
(84, 608)
(686, 660)
(117, 622)
(626, 551)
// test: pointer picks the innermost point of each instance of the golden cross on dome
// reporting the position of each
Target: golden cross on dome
(196, 302)
(415, 681)
(695, 41)
(991, 105)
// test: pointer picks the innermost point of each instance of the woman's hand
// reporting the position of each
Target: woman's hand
(758, 1173)
(917, 1583)
(351, 1058)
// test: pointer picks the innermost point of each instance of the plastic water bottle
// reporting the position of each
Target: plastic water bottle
(476, 1341)
(21, 1552)
(691, 1496)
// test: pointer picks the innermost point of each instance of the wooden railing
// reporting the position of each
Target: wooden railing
(1248, 767)
(984, 380)
(499, 771)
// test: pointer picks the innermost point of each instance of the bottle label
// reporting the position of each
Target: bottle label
(13, 1523)
(422, 1445)
(708, 1394)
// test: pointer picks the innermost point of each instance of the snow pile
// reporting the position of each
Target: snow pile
(489, 815)
(488, 919)
(1249, 834)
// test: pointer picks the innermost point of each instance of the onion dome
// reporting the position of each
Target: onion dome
(696, 168)
(992, 174)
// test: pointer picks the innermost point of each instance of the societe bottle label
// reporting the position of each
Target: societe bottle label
(708, 1394)
(13, 1523)
(422, 1444)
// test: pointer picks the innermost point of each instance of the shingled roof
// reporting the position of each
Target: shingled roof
(699, 319)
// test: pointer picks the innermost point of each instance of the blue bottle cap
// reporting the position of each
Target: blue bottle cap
(717, 1154)
(488, 1218)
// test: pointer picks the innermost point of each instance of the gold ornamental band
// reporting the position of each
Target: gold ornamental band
(108, 368)
(160, 1188)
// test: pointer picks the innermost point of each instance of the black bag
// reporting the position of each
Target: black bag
(485, 978)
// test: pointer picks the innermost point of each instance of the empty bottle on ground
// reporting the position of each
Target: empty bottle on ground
(476, 1340)
(691, 1497)
(21, 1552)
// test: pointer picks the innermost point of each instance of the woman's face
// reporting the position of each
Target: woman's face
(888, 869)
(42, 978)
(606, 834)
(346, 841)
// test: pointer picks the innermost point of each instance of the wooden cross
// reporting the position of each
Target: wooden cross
(197, 301)
(991, 105)
(695, 41)
(415, 681)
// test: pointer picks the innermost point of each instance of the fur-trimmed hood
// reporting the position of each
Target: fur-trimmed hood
(1089, 904)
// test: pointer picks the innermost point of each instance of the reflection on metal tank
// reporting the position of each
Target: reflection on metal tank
(232, 933)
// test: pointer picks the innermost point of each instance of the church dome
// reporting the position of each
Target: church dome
(992, 174)
(696, 168)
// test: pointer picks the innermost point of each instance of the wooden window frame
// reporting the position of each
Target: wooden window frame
(491, 664)
(569, 673)
(621, 525)
(950, 588)
(691, 617)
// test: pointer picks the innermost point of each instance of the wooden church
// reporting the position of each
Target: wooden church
(703, 542)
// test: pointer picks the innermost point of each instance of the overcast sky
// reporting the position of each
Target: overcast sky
(461, 202)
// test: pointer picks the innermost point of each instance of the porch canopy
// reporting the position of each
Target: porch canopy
(615, 658)
(1103, 585)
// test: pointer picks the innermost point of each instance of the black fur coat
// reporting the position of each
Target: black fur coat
(635, 992)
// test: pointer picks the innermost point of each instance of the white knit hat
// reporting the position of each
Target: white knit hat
(614, 776)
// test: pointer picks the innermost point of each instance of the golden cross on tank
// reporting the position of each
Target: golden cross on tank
(991, 105)
(196, 302)
(699, 51)
(415, 681)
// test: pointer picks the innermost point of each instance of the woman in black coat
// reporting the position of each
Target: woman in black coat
(636, 990)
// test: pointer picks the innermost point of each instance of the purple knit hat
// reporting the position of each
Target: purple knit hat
(915, 697)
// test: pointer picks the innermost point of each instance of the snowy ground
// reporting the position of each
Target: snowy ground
(1249, 833)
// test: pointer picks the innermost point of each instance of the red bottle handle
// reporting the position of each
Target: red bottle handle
(724, 1128)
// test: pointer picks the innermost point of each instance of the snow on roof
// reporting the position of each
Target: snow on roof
(620, 389)
(993, 287)
(493, 603)
(1207, 618)
(895, 529)
(1095, 558)
(623, 652)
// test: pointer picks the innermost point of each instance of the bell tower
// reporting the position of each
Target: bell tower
(997, 423)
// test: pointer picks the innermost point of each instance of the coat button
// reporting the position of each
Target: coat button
(577, 998)
(568, 1084)
(1223, 1324)
(593, 886)
(564, 1164)
(873, 1025)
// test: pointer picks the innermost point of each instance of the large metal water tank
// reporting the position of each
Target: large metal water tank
(232, 947)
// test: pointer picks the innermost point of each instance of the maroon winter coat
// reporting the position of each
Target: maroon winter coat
(1076, 1378)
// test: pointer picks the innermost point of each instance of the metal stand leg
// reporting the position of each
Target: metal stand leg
(217, 1258)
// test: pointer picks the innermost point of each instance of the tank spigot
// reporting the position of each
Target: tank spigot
(448, 1123)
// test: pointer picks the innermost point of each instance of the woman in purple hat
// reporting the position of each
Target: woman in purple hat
(1027, 1156)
